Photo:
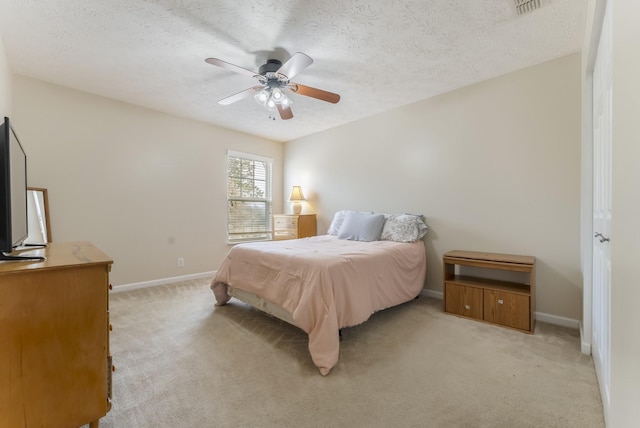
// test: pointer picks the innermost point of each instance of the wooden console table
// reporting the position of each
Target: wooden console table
(55, 364)
(509, 304)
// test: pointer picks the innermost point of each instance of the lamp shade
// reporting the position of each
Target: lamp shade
(296, 194)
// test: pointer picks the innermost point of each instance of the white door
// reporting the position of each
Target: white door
(602, 143)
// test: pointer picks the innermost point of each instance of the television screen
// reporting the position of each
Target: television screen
(13, 185)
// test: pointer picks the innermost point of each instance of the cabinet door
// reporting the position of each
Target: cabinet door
(465, 301)
(509, 309)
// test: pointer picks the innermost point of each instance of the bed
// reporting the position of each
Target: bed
(324, 283)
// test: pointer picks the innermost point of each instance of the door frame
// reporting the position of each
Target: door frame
(586, 245)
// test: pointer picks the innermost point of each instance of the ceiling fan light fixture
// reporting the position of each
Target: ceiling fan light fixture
(270, 98)
(286, 101)
(262, 96)
(277, 95)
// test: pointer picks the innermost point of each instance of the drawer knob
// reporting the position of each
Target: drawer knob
(467, 307)
(500, 301)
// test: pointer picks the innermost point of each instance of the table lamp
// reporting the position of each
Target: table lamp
(295, 198)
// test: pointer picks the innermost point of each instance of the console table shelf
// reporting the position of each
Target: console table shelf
(506, 303)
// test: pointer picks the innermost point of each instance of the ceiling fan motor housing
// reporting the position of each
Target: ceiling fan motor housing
(271, 66)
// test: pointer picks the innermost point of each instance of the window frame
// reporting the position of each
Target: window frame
(265, 234)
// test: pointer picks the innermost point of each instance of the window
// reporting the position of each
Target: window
(248, 197)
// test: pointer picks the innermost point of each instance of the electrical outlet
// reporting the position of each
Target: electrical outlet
(180, 262)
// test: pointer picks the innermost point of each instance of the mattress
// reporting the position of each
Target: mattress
(324, 283)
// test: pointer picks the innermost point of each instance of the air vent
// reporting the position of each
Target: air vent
(523, 7)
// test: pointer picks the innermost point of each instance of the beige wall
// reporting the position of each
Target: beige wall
(143, 186)
(625, 245)
(494, 167)
(5, 83)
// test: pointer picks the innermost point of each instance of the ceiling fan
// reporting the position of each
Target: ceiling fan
(274, 79)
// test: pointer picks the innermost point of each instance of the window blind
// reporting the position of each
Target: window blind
(248, 197)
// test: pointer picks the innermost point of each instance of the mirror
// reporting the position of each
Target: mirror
(38, 215)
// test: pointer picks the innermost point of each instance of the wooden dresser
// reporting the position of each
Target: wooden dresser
(293, 226)
(55, 363)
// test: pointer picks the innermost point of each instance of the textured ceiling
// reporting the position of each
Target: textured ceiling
(377, 54)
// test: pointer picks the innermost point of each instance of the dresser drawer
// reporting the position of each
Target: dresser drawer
(285, 223)
(284, 234)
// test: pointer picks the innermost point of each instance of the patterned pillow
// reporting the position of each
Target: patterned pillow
(403, 228)
(338, 218)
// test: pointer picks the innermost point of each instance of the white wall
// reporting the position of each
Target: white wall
(5, 83)
(625, 245)
(494, 167)
(143, 186)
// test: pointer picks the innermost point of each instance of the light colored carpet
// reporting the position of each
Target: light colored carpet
(182, 362)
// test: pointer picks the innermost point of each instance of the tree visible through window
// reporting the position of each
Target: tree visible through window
(248, 197)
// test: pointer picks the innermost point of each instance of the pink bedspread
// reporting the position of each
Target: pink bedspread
(325, 283)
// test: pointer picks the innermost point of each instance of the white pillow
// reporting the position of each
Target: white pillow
(403, 228)
(361, 227)
(338, 218)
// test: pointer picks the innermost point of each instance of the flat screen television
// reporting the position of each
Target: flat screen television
(13, 194)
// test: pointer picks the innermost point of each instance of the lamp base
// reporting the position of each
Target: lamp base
(296, 207)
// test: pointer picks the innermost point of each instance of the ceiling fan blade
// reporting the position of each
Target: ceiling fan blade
(240, 95)
(329, 97)
(285, 112)
(235, 68)
(295, 65)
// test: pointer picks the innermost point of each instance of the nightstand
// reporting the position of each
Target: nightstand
(293, 226)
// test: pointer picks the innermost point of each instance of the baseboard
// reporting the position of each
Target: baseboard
(431, 293)
(163, 281)
(540, 316)
(557, 320)
(585, 348)
(585, 345)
